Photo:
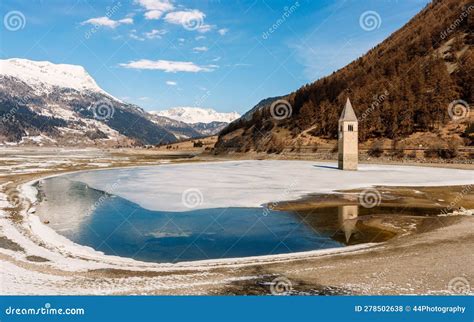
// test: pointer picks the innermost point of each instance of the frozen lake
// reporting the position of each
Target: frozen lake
(194, 211)
(253, 183)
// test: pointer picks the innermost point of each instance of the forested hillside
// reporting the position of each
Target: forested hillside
(402, 86)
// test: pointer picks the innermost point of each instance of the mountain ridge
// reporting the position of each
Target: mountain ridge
(59, 104)
(193, 115)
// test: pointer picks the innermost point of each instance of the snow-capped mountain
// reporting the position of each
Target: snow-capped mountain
(43, 103)
(44, 76)
(193, 115)
(56, 104)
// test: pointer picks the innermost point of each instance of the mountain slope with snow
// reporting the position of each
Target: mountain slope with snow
(193, 115)
(43, 103)
(57, 104)
(44, 76)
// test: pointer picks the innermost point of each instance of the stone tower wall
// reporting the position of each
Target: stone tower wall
(348, 146)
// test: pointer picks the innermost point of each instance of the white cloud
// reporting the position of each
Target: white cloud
(200, 49)
(171, 83)
(205, 28)
(155, 33)
(107, 22)
(127, 21)
(182, 17)
(153, 14)
(155, 8)
(200, 37)
(223, 31)
(162, 5)
(167, 66)
(136, 37)
(189, 19)
(144, 98)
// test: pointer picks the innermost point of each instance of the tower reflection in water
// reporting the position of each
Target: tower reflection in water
(347, 218)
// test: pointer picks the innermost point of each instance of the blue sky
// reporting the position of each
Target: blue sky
(222, 54)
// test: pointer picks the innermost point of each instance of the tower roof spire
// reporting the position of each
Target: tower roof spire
(348, 112)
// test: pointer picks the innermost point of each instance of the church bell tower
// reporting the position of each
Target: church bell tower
(348, 139)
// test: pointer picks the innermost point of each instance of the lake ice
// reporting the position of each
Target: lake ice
(204, 185)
